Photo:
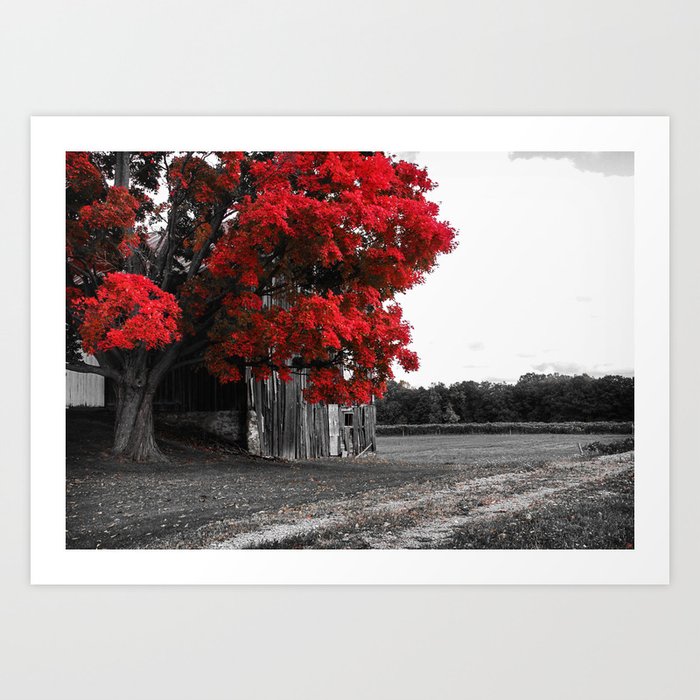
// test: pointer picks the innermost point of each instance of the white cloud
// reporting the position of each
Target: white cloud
(575, 368)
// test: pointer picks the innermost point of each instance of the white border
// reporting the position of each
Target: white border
(648, 563)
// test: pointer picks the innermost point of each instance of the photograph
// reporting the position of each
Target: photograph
(349, 350)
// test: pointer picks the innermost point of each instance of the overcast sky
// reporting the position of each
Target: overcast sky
(542, 278)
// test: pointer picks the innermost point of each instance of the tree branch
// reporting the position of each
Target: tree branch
(214, 235)
(93, 369)
(187, 363)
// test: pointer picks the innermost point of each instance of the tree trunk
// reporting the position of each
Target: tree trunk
(121, 169)
(134, 437)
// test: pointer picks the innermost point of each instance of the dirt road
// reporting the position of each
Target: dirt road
(477, 492)
(411, 517)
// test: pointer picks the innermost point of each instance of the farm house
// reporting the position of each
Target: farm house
(268, 417)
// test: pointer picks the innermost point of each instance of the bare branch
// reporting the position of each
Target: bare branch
(187, 363)
(216, 230)
(93, 369)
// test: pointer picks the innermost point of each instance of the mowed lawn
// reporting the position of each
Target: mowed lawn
(484, 449)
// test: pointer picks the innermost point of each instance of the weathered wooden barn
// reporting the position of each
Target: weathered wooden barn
(269, 417)
(287, 426)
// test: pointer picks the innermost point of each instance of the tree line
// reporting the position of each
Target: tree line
(546, 398)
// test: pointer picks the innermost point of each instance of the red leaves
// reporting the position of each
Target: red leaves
(362, 222)
(96, 231)
(331, 333)
(231, 169)
(283, 260)
(364, 216)
(82, 177)
(117, 211)
(127, 312)
(205, 182)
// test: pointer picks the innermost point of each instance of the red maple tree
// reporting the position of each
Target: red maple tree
(268, 260)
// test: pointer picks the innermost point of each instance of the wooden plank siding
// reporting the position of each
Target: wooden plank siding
(84, 389)
(194, 389)
(334, 430)
(187, 389)
(291, 428)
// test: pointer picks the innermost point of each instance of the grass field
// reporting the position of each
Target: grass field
(502, 428)
(484, 449)
(428, 491)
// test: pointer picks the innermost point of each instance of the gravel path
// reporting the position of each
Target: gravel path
(420, 519)
(472, 491)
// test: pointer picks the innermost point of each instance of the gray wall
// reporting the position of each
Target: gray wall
(84, 389)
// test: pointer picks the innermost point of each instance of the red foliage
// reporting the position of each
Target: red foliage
(117, 211)
(280, 260)
(82, 177)
(202, 181)
(360, 229)
(96, 230)
(128, 311)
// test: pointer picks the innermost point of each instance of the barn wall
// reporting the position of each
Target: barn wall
(85, 389)
(225, 425)
(360, 436)
(287, 426)
(290, 428)
(192, 389)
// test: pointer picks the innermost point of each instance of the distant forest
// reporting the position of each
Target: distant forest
(548, 398)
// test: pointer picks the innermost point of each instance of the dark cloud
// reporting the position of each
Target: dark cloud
(478, 345)
(620, 163)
